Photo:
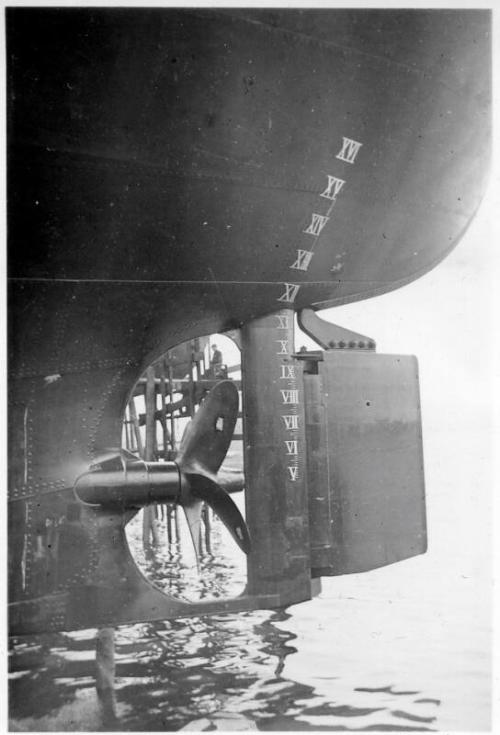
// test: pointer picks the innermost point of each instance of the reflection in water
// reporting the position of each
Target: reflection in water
(167, 674)
(222, 672)
(337, 662)
(173, 567)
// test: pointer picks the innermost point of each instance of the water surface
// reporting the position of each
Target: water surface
(400, 648)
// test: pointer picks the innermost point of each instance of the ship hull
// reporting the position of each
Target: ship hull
(175, 173)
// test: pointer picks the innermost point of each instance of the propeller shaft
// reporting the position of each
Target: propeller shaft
(134, 486)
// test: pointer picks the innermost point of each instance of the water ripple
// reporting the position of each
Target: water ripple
(315, 666)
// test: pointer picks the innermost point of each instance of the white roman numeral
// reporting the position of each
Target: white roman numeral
(293, 473)
(287, 372)
(291, 422)
(318, 221)
(349, 151)
(284, 346)
(291, 290)
(283, 321)
(290, 396)
(303, 260)
(333, 188)
(291, 446)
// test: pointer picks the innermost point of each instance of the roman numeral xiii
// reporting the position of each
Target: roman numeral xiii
(303, 260)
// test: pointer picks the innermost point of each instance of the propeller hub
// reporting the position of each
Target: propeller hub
(123, 482)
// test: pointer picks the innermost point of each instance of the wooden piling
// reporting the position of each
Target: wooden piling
(105, 673)
(149, 529)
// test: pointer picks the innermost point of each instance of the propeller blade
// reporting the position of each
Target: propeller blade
(203, 488)
(192, 511)
(231, 481)
(208, 436)
(202, 451)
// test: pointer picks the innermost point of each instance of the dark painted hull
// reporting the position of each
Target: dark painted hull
(193, 147)
(165, 164)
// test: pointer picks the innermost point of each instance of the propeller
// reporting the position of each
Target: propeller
(202, 451)
(209, 433)
(125, 481)
(205, 489)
